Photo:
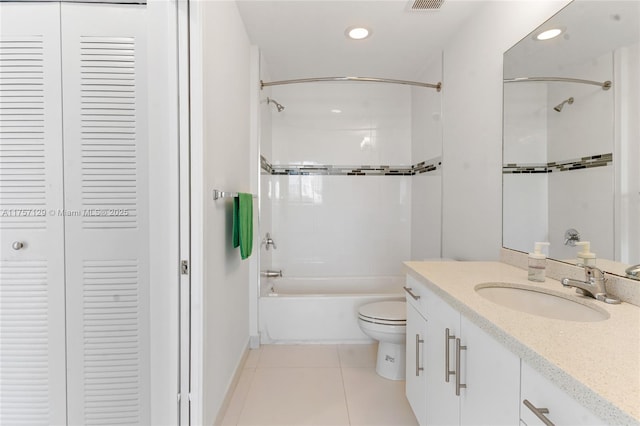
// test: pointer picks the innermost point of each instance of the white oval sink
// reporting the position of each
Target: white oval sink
(536, 301)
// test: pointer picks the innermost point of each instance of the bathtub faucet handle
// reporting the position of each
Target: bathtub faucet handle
(268, 241)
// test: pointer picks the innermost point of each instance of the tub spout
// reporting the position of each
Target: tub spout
(271, 274)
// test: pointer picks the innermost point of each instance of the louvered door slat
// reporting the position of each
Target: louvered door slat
(105, 178)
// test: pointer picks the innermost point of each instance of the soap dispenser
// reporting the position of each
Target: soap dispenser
(585, 256)
(537, 263)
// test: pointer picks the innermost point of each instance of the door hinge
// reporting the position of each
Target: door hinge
(184, 267)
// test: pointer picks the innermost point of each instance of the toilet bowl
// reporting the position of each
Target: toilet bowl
(386, 322)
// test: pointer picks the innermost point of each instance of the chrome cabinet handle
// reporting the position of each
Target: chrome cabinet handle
(17, 245)
(447, 372)
(459, 385)
(418, 342)
(539, 412)
(408, 290)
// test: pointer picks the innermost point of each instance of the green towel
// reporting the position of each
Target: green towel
(243, 223)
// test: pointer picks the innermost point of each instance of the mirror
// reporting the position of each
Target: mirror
(571, 136)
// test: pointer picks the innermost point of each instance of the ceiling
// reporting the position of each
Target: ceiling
(306, 38)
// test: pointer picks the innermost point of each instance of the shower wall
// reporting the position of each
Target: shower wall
(329, 215)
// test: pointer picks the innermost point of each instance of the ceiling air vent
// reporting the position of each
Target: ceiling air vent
(426, 4)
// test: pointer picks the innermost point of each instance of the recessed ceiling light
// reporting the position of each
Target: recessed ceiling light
(357, 33)
(336, 111)
(549, 34)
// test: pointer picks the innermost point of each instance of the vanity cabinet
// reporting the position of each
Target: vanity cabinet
(416, 378)
(468, 378)
(556, 406)
(491, 373)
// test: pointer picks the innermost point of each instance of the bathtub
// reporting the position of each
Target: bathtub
(320, 310)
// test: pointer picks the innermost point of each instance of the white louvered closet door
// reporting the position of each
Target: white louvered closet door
(32, 317)
(106, 180)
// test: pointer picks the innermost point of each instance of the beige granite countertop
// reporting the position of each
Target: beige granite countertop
(597, 363)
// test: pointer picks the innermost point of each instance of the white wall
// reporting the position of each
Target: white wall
(226, 64)
(472, 125)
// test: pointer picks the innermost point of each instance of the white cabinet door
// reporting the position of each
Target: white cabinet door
(32, 316)
(416, 379)
(443, 406)
(491, 374)
(541, 393)
(106, 182)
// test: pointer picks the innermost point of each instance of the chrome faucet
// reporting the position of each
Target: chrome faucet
(571, 237)
(268, 241)
(593, 286)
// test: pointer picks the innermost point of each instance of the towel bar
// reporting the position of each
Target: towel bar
(223, 194)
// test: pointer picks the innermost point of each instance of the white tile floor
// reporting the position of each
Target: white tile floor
(316, 385)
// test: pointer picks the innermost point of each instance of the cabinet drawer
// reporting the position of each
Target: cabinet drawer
(417, 295)
(540, 393)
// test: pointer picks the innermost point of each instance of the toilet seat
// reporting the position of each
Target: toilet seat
(386, 313)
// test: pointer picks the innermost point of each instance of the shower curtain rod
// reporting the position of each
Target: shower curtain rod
(437, 86)
(605, 86)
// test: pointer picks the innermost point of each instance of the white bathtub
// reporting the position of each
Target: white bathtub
(320, 310)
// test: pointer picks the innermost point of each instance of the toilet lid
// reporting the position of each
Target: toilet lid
(392, 311)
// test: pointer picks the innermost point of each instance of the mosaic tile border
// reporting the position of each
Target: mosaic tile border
(265, 165)
(563, 166)
(321, 169)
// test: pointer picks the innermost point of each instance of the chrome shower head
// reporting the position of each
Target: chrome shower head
(279, 107)
(561, 105)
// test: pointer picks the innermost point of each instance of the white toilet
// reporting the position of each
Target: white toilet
(386, 322)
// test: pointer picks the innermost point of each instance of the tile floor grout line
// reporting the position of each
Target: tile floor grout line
(243, 401)
(253, 375)
(344, 387)
(346, 398)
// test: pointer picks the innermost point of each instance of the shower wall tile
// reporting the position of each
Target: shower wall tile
(525, 204)
(588, 121)
(426, 125)
(525, 123)
(372, 127)
(426, 216)
(341, 226)
(583, 200)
